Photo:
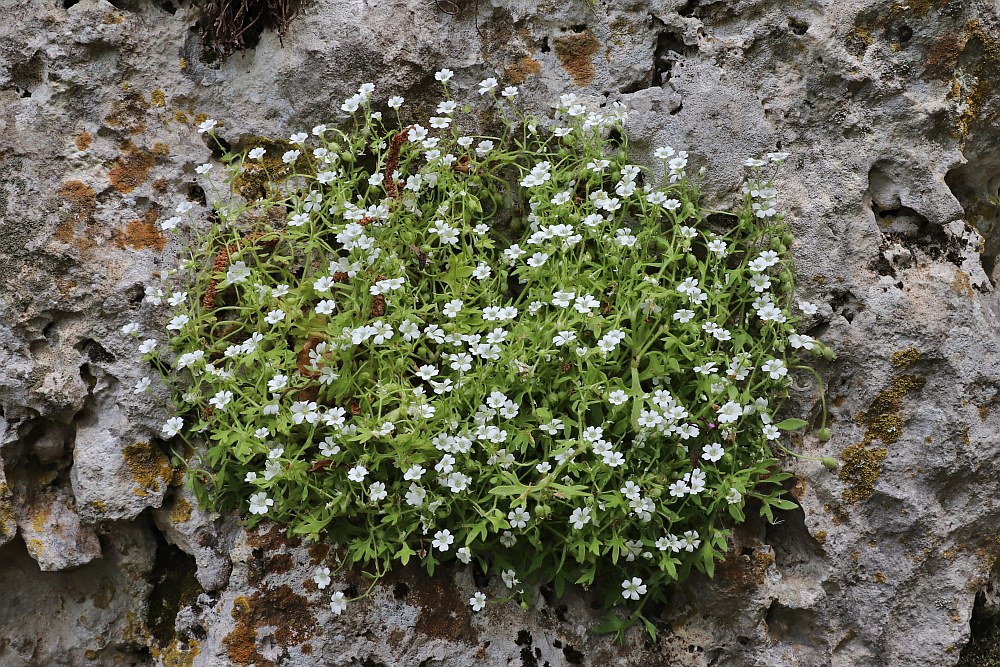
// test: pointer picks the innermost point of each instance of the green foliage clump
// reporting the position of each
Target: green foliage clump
(518, 351)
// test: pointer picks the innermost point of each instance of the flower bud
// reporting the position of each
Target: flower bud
(824, 434)
(829, 463)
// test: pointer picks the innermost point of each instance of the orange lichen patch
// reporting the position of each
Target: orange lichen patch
(82, 198)
(127, 114)
(113, 18)
(281, 609)
(83, 141)
(142, 234)
(160, 149)
(160, 185)
(180, 117)
(149, 467)
(131, 169)
(522, 69)
(576, 55)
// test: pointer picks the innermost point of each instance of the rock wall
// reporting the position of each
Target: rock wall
(889, 109)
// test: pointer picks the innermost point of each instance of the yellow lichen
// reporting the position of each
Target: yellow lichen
(181, 511)
(860, 470)
(158, 97)
(40, 519)
(149, 467)
(176, 654)
(904, 358)
(35, 547)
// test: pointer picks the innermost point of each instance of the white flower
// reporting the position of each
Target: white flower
(808, 308)
(377, 491)
(730, 412)
(141, 386)
(484, 147)
(338, 603)
(617, 397)
(203, 168)
(395, 102)
(207, 126)
(416, 495)
(444, 75)
(510, 92)
(733, 496)
(580, 517)
(801, 341)
(172, 427)
(322, 577)
(518, 517)
(256, 153)
(537, 259)
(325, 307)
(509, 579)
(482, 271)
(478, 601)
(259, 503)
(487, 85)
(712, 452)
(221, 400)
(290, 156)
(357, 473)
(633, 588)
(775, 368)
(275, 316)
(564, 337)
(452, 308)
(771, 431)
(237, 273)
(443, 539)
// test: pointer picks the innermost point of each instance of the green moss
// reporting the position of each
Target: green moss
(258, 177)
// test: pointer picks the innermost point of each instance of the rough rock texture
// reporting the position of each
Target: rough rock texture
(889, 110)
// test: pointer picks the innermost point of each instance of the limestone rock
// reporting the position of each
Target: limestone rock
(888, 109)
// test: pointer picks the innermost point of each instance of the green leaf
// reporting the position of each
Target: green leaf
(791, 424)
(510, 490)
(404, 553)
(782, 504)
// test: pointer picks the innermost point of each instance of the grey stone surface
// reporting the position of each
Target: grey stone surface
(889, 111)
